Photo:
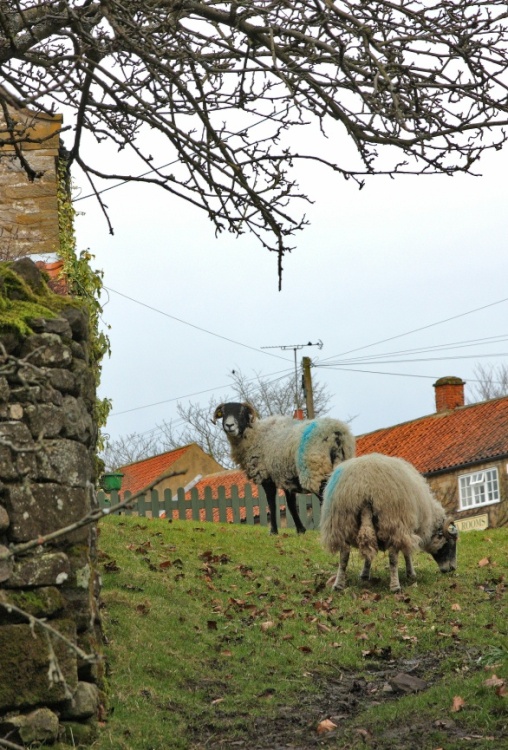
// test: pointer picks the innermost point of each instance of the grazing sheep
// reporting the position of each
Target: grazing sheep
(377, 502)
(285, 453)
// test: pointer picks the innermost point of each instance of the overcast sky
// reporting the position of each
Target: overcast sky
(408, 264)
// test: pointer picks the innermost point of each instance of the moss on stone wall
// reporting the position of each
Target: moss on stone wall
(24, 298)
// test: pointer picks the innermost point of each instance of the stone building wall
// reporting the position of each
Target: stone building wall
(28, 208)
(446, 488)
(50, 690)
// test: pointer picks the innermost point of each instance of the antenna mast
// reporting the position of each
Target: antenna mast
(295, 348)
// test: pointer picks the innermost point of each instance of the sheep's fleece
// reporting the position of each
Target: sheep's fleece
(294, 454)
(380, 502)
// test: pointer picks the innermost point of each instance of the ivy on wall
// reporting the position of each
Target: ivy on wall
(85, 283)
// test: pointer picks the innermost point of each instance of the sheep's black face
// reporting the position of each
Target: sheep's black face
(443, 547)
(236, 418)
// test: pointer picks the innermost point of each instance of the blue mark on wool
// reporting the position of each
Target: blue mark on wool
(331, 484)
(304, 441)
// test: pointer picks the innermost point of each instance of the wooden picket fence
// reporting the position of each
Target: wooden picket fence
(238, 506)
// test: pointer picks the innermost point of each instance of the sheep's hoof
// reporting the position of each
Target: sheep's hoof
(301, 531)
(395, 589)
(273, 531)
(338, 587)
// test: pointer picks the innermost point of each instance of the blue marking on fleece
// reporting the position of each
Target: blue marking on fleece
(330, 487)
(304, 441)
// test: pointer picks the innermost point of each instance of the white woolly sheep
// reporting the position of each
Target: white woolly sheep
(285, 453)
(377, 502)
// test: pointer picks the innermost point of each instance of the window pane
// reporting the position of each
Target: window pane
(478, 488)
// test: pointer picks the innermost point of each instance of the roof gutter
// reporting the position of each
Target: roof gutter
(467, 465)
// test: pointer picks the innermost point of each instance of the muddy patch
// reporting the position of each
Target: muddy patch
(340, 699)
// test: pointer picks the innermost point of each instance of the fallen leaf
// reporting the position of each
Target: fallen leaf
(483, 562)
(111, 567)
(143, 609)
(364, 733)
(323, 628)
(267, 625)
(326, 726)
(502, 691)
(494, 681)
(457, 704)
(217, 700)
(456, 607)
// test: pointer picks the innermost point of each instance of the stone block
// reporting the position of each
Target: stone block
(5, 565)
(46, 419)
(64, 462)
(40, 726)
(4, 519)
(39, 509)
(45, 569)
(78, 322)
(84, 703)
(63, 381)
(26, 663)
(44, 602)
(46, 350)
(60, 326)
(78, 424)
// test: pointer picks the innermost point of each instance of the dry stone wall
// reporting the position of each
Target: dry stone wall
(50, 686)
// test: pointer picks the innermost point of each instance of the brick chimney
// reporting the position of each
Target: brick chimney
(449, 393)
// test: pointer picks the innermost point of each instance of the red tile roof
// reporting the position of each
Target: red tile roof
(142, 473)
(467, 435)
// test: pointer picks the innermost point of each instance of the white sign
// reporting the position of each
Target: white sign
(475, 523)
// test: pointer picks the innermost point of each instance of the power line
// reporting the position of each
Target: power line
(187, 395)
(420, 350)
(192, 325)
(416, 330)
(337, 365)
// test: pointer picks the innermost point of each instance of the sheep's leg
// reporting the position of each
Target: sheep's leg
(322, 490)
(340, 580)
(393, 557)
(291, 503)
(271, 493)
(365, 574)
(410, 571)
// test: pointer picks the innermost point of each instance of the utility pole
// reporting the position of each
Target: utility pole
(307, 387)
(295, 348)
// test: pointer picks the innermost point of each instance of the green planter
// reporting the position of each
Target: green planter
(111, 481)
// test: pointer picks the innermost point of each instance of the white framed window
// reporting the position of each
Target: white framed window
(479, 488)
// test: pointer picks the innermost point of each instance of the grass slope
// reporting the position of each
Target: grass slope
(222, 636)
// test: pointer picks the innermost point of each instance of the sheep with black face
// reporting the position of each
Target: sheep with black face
(283, 453)
(377, 502)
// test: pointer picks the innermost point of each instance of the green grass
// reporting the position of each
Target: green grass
(223, 634)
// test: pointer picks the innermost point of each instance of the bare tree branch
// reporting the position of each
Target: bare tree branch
(204, 98)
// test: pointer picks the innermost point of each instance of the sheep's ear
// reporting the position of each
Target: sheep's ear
(218, 414)
(252, 413)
